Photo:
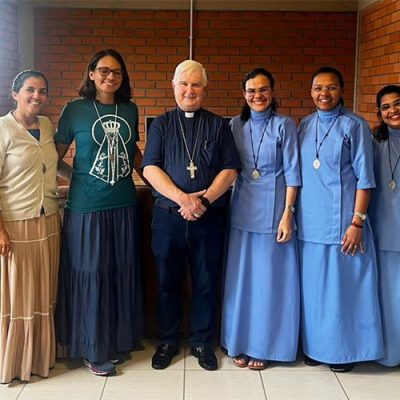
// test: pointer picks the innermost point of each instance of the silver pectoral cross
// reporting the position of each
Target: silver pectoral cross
(191, 168)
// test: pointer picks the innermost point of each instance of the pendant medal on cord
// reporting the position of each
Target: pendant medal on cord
(392, 184)
(192, 167)
(255, 174)
(317, 162)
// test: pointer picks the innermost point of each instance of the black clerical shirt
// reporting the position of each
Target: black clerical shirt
(209, 145)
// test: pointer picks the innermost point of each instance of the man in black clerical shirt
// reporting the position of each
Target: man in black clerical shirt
(191, 161)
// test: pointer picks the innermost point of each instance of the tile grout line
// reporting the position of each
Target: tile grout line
(104, 387)
(184, 375)
(340, 383)
(264, 386)
(20, 392)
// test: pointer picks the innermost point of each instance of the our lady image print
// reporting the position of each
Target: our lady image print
(111, 133)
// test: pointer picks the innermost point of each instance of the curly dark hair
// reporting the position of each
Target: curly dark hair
(380, 131)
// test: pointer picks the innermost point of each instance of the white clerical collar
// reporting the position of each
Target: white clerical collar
(189, 114)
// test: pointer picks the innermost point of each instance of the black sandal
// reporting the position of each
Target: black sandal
(341, 367)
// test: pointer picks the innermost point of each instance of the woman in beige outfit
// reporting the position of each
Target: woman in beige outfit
(29, 233)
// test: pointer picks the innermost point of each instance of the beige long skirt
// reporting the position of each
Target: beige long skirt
(28, 290)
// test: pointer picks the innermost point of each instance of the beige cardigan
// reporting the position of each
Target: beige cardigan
(28, 170)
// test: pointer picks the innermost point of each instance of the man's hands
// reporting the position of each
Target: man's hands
(191, 207)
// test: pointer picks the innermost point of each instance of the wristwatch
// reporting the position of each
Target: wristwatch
(205, 201)
(362, 216)
(291, 209)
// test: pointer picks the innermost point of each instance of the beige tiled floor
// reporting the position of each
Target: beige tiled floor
(185, 380)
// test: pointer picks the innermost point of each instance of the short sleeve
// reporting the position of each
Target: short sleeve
(135, 116)
(229, 154)
(153, 151)
(290, 149)
(362, 158)
(65, 132)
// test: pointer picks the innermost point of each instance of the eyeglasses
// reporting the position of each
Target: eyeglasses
(105, 71)
(319, 89)
(264, 91)
(386, 107)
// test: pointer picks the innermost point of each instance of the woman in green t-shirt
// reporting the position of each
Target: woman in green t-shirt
(99, 313)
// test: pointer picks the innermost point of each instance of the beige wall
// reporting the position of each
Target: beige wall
(365, 3)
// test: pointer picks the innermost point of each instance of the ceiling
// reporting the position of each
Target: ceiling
(272, 5)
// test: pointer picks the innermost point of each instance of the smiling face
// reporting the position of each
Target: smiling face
(390, 110)
(258, 93)
(189, 90)
(32, 96)
(106, 86)
(326, 91)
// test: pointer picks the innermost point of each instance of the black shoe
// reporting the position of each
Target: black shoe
(310, 361)
(163, 355)
(341, 367)
(120, 357)
(206, 358)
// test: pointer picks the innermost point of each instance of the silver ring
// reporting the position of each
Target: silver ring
(196, 215)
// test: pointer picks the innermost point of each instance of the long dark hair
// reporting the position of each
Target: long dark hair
(380, 131)
(246, 111)
(87, 88)
(330, 70)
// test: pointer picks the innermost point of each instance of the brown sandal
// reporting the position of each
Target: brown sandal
(241, 361)
(262, 364)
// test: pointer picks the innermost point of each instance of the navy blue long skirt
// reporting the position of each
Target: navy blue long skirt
(99, 307)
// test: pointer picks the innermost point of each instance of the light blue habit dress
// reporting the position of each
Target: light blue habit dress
(340, 315)
(385, 221)
(261, 293)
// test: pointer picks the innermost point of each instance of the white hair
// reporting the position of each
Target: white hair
(190, 66)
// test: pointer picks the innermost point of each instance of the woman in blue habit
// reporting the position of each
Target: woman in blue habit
(261, 294)
(385, 218)
(340, 323)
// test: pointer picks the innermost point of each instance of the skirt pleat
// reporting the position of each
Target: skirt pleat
(261, 303)
(340, 314)
(99, 309)
(28, 296)
(389, 291)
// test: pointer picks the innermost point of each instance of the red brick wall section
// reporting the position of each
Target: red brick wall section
(8, 52)
(290, 44)
(379, 53)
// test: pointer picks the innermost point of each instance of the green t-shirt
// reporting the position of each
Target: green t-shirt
(104, 153)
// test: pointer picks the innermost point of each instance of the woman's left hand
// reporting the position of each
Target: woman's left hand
(352, 241)
(5, 244)
(285, 228)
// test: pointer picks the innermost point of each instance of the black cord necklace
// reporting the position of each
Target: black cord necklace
(256, 173)
(392, 184)
(317, 162)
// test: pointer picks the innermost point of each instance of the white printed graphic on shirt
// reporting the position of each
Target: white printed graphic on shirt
(112, 159)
